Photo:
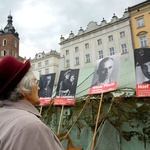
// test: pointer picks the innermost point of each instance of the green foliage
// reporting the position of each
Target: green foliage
(134, 112)
(119, 111)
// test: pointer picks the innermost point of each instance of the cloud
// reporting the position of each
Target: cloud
(34, 16)
(40, 23)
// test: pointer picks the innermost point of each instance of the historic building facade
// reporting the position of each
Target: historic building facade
(46, 63)
(97, 41)
(9, 40)
(140, 24)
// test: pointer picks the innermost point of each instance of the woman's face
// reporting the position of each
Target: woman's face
(72, 78)
(33, 97)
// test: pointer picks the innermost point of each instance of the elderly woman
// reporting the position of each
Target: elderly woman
(20, 126)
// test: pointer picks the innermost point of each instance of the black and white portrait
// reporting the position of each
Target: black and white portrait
(106, 70)
(67, 83)
(142, 65)
(46, 85)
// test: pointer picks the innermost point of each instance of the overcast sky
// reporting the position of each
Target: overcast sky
(40, 23)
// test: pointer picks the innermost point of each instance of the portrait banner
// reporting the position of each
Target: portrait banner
(46, 88)
(142, 71)
(66, 88)
(105, 77)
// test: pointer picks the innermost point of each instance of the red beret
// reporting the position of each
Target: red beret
(11, 73)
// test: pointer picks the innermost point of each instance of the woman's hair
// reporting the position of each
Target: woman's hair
(26, 85)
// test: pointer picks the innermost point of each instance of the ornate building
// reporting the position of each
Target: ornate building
(140, 24)
(9, 40)
(45, 63)
(97, 41)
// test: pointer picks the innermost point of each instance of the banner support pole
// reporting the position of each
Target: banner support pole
(98, 115)
(60, 119)
(41, 109)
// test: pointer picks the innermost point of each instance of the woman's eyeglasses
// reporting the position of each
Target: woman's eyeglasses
(36, 81)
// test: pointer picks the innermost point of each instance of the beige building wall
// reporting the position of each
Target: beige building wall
(140, 23)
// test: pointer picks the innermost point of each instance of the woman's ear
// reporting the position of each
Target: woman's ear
(22, 93)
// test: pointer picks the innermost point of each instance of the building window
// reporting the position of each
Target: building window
(124, 48)
(15, 44)
(39, 55)
(46, 71)
(86, 45)
(77, 60)
(100, 53)
(3, 53)
(110, 38)
(122, 34)
(67, 63)
(4, 42)
(112, 51)
(46, 62)
(39, 64)
(67, 52)
(33, 66)
(15, 54)
(140, 22)
(143, 41)
(99, 42)
(76, 49)
(39, 72)
(87, 58)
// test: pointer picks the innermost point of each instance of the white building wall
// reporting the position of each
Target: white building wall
(91, 35)
(93, 32)
(53, 65)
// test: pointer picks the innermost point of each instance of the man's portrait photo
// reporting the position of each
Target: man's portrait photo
(46, 85)
(106, 70)
(142, 65)
(67, 83)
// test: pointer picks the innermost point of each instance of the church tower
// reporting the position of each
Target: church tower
(9, 40)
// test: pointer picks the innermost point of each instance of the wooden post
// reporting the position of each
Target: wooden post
(60, 119)
(41, 110)
(98, 115)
